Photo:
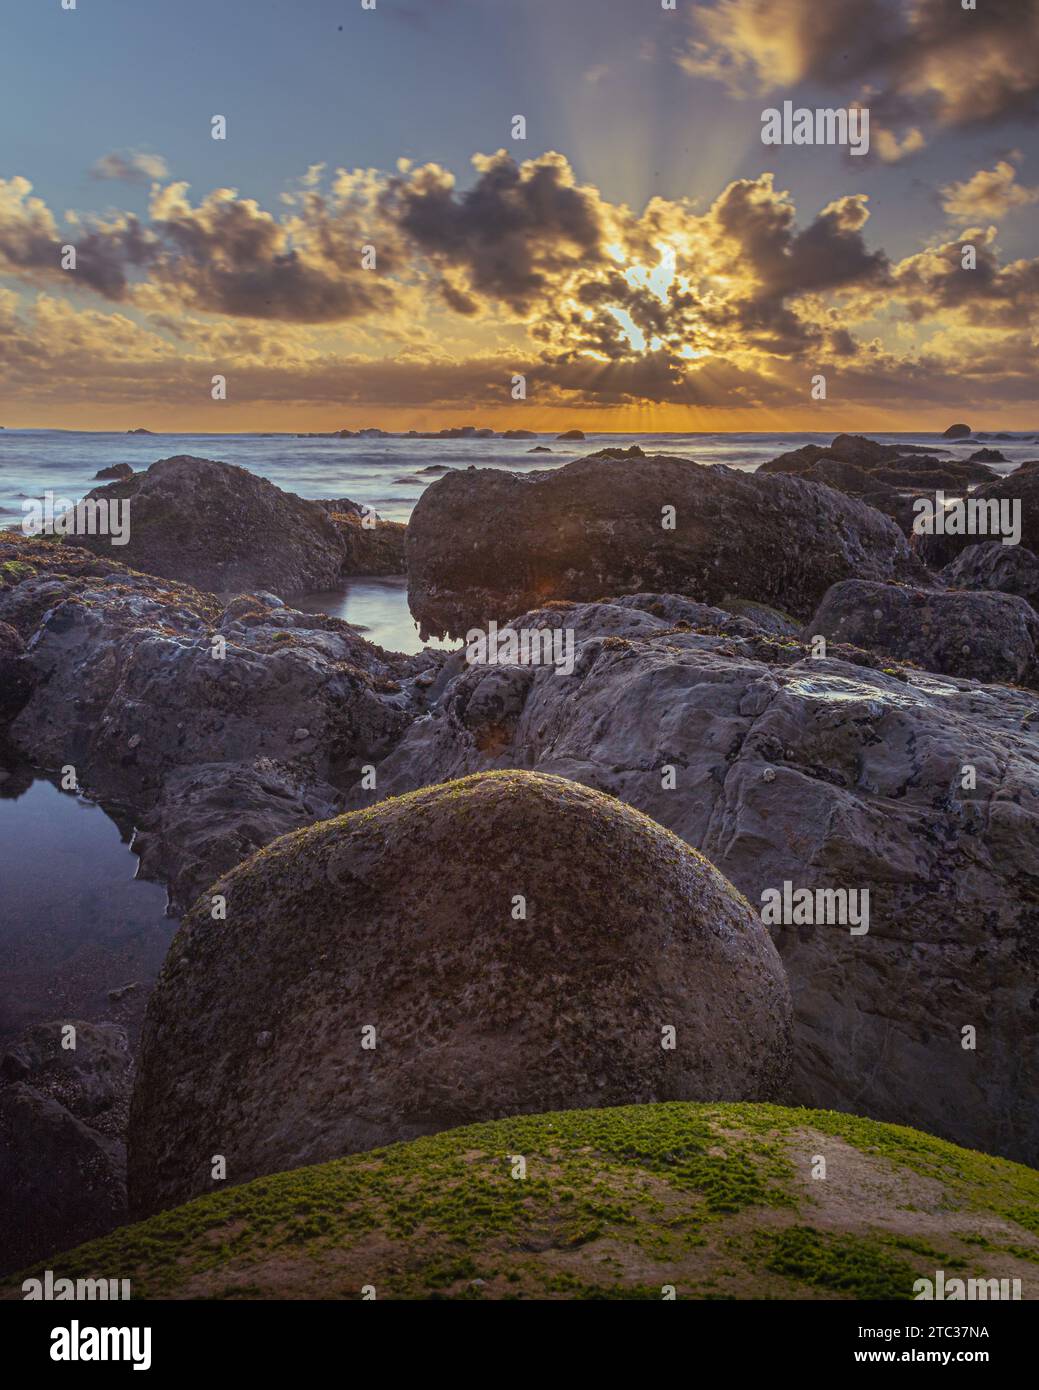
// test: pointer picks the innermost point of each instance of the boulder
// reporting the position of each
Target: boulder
(222, 528)
(117, 470)
(827, 773)
(984, 636)
(486, 544)
(571, 434)
(992, 565)
(404, 920)
(519, 434)
(957, 432)
(987, 456)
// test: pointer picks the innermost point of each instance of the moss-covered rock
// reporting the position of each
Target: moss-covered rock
(717, 1201)
(516, 943)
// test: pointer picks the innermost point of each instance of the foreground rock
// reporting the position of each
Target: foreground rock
(136, 680)
(717, 1201)
(378, 920)
(62, 1156)
(982, 636)
(224, 529)
(484, 544)
(828, 775)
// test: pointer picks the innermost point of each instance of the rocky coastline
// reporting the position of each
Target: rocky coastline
(776, 678)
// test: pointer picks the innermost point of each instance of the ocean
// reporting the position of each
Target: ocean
(386, 474)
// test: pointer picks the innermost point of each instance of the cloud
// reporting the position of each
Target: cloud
(990, 193)
(525, 269)
(929, 62)
(130, 166)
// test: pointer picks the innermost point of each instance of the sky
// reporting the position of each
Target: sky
(635, 253)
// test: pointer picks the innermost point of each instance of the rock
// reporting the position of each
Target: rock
(539, 449)
(61, 1182)
(139, 430)
(89, 1079)
(714, 1200)
(868, 793)
(378, 919)
(485, 544)
(992, 565)
(117, 470)
(633, 452)
(987, 456)
(17, 677)
(224, 529)
(436, 468)
(957, 432)
(984, 636)
(519, 434)
(571, 434)
(114, 656)
(1017, 493)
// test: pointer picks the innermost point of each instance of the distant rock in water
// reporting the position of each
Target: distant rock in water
(485, 543)
(983, 636)
(957, 432)
(440, 959)
(987, 456)
(117, 470)
(221, 528)
(139, 430)
(571, 434)
(519, 434)
(539, 449)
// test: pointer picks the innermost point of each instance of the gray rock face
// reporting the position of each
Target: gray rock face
(402, 918)
(485, 544)
(128, 688)
(91, 1080)
(985, 636)
(992, 565)
(823, 774)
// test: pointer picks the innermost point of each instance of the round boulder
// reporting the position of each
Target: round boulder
(500, 945)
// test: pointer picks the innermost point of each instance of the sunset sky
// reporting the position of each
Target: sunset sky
(641, 256)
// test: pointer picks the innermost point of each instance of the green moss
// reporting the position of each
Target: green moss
(616, 1203)
(838, 1263)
